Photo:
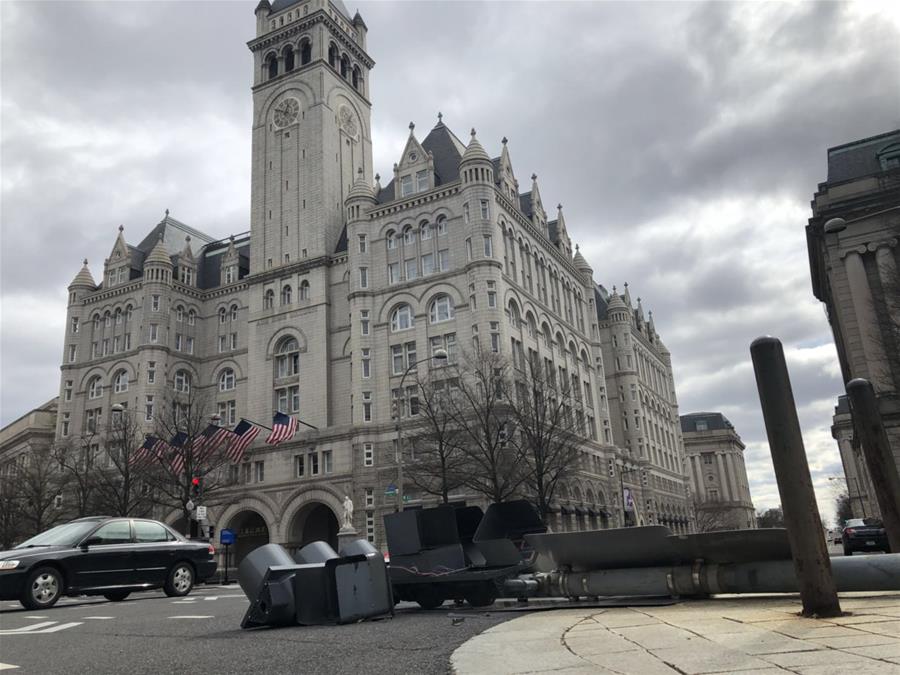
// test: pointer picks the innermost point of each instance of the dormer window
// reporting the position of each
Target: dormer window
(406, 185)
(230, 274)
(422, 181)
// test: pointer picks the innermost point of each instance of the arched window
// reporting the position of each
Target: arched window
(226, 380)
(304, 290)
(234, 311)
(223, 315)
(514, 317)
(179, 313)
(192, 317)
(333, 55)
(441, 309)
(409, 236)
(268, 299)
(183, 382)
(441, 225)
(287, 358)
(272, 66)
(425, 230)
(286, 295)
(345, 66)
(357, 77)
(402, 318)
(548, 337)
(288, 59)
(128, 312)
(95, 388)
(120, 382)
(118, 316)
(532, 327)
(305, 52)
(107, 320)
(391, 238)
(96, 322)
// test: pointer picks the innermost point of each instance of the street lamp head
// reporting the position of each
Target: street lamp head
(440, 354)
(117, 407)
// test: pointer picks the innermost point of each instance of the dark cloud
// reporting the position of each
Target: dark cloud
(685, 141)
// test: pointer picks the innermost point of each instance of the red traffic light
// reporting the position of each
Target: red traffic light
(195, 481)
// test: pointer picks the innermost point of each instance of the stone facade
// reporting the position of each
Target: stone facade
(852, 239)
(715, 457)
(859, 483)
(360, 280)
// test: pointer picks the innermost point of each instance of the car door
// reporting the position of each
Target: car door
(154, 553)
(105, 557)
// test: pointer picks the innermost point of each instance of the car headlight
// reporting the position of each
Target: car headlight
(8, 564)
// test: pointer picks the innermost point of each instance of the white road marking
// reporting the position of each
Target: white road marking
(7, 666)
(98, 618)
(36, 626)
(60, 627)
(40, 628)
(183, 602)
(194, 616)
(211, 597)
(36, 616)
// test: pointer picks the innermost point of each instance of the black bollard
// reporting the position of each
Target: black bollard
(879, 459)
(798, 499)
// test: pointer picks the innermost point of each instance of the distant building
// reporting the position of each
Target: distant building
(33, 430)
(715, 462)
(859, 483)
(852, 240)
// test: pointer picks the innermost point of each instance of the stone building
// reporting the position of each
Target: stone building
(345, 281)
(852, 240)
(718, 475)
(863, 503)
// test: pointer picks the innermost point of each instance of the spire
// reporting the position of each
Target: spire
(412, 128)
(581, 264)
(159, 254)
(361, 188)
(120, 248)
(440, 118)
(627, 295)
(358, 20)
(186, 252)
(83, 278)
(474, 151)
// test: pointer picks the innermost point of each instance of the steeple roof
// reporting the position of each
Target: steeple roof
(83, 278)
(159, 254)
(474, 151)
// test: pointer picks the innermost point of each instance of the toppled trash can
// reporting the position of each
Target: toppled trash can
(320, 587)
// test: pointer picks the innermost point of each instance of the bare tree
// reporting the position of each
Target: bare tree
(843, 509)
(181, 420)
(437, 462)
(545, 416)
(120, 486)
(770, 518)
(10, 512)
(39, 483)
(713, 516)
(480, 410)
(77, 460)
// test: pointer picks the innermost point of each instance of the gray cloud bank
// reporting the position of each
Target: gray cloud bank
(685, 141)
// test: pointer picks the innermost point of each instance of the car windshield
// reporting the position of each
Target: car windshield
(854, 522)
(61, 535)
(872, 522)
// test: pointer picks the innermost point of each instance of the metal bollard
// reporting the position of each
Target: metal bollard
(798, 500)
(879, 459)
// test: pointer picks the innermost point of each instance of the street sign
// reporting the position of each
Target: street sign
(390, 490)
(201, 513)
(406, 499)
(226, 537)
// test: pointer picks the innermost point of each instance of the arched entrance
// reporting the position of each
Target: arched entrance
(313, 522)
(250, 532)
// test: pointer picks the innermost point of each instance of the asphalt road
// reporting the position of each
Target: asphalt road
(150, 633)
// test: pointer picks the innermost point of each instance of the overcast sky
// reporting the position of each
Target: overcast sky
(685, 142)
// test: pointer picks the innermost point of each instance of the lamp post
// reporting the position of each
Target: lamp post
(439, 354)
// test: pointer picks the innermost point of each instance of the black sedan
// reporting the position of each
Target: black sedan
(104, 556)
(864, 534)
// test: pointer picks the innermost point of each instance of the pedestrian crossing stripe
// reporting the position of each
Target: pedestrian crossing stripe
(40, 628)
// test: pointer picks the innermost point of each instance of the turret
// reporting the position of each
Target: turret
(475, 165)
(362, 29)
(263, 9)
(360, 199)
(158, 265)
(587, 273)
(81, 284)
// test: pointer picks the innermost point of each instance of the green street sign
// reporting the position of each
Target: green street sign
(406, 498)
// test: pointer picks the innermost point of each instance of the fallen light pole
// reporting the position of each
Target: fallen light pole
(798, 499)
(464, 554)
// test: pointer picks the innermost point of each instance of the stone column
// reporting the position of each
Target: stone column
(723, 478)
(887, 272)
(866, 321)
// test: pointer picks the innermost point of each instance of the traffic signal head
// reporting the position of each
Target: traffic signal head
(195, 487)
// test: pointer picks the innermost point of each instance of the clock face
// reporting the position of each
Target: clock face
(286, 112)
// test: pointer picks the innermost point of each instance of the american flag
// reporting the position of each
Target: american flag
(283, 429)
(244, 433)
(177, 445)
(208, 442)
(153, 447)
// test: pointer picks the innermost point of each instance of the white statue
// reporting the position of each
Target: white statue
(348, 513)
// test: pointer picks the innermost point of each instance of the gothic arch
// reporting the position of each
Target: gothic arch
(259, 503)
(345, 351)
(222, 365)
(440, 288)
(388, 306)
(295, 88)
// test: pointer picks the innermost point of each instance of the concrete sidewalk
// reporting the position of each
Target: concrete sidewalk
(728, 634)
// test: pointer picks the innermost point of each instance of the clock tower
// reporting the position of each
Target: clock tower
(311, 127)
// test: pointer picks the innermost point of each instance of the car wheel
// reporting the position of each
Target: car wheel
(429, 598)
(847, 550)
(42, 588)
(116, 596)
(180, 581)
